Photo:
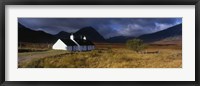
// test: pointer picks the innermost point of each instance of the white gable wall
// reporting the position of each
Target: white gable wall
(59, 45)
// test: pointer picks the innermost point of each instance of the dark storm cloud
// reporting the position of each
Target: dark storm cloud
(107, 27)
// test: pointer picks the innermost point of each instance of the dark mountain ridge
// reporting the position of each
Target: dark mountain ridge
(90, 34)
(63, 34)
(171, 32)
(119, 39)
(27, 35)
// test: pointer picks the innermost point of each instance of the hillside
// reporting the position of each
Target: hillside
(63, 34)
(119, 39)
(170, 34)
(27, 35)
(90, 33)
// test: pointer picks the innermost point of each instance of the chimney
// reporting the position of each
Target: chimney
(84, 38)
(72, 37)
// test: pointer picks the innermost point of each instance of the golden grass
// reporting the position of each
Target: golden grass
(105, 58)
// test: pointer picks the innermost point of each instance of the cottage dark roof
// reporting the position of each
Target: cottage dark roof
(68, 42)
(83, 42)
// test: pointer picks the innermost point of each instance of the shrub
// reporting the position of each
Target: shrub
(136, 45)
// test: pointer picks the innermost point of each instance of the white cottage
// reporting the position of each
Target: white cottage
(72, 44)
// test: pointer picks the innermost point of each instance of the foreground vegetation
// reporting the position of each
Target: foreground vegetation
(114, 57)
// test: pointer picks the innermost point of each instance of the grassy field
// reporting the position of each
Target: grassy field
(104, 56)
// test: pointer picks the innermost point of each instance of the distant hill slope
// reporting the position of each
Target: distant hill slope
(119, 39)
(90, 34)
(174, 33)
(27, 35)
(63, 34)
(170, 34)
(170, 40)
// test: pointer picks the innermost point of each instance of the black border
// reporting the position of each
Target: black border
(3, 3)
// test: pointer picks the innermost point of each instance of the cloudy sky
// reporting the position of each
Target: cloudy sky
(107, 27)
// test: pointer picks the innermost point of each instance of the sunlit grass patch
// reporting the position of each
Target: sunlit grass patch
(107, 58)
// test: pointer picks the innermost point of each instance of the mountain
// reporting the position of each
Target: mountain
(119, 39)
(27, 35)
(174, 32)
(63, 34)
(90, 34)
(170, 40)
(169, 35)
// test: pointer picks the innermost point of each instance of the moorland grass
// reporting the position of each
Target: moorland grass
(107, 58)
